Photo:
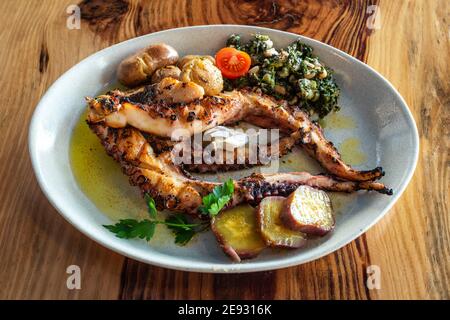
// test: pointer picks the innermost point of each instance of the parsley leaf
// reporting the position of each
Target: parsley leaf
(178, 221)
(130, 228)
(150, 205)
(181, 228)
(182, 237)
(145, 229)
(215, 201)
(182, 234)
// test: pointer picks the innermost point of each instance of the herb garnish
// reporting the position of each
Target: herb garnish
(130, 228)
(178, 223)
(215, 201)
(145, 229)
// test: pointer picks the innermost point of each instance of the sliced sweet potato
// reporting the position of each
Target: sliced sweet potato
(308, 210)
(237, 232)
(273, 231)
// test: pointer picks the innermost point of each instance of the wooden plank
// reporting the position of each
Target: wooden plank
(412, 50)
(36, 244)
(410, 244)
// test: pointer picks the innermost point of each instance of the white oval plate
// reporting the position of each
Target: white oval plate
(387, 132)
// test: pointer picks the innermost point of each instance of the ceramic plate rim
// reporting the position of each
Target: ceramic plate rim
(175, 263)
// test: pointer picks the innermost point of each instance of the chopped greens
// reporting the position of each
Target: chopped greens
(145, 229)
(293, 74)
(215, 201)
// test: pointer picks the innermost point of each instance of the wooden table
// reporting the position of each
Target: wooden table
(409, 45)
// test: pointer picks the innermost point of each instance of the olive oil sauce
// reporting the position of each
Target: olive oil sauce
(102, 180)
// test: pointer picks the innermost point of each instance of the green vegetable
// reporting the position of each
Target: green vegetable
(182, 234)
(145, 229)
(257, 46)
(228, 84)
(215, 201)
(234, 41)
(151, 206)
(307, 82)
(284, 73)
(308, 89)
(130, 228)
(179, 224)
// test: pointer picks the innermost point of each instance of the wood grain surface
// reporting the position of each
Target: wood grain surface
(411, 245)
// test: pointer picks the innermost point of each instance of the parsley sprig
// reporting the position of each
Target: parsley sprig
(131, 228)
(215, 201)
(178, 223)
(145, 229)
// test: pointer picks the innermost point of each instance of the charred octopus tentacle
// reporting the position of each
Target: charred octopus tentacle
(141, 110)
(173, 190)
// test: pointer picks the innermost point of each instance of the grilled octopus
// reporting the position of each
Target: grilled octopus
(239, 160)
(142, 110)
(176, 190)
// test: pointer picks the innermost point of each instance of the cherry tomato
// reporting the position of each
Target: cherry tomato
(232, 63)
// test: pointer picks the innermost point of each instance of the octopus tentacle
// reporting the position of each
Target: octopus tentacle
(258, 186)
(140, 110)
(173, 190)
(312, 139)
(239, 159)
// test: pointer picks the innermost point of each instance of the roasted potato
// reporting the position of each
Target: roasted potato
(274, 233)
(166, 72)
(139, 67)
(308, 210)
(204, 73)
(175, 91)
(237, 232)
(190, 57)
